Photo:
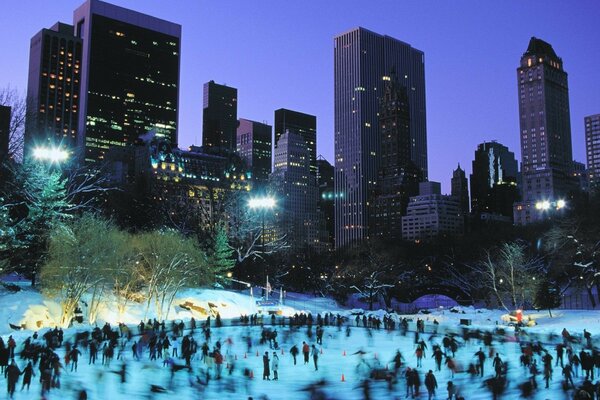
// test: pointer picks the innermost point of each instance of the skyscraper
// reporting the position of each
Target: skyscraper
(4, 131)
(592, 149)
(545, 130)
(398, 178)
(460, 190)
(297, 191)
(363, 62)
(493, 180)
(325, 182)
(303, 124)
(219, 118)
(129, 77)
(53, 89)
(254, 147)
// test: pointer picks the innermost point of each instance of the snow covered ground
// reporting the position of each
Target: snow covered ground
(101, 383)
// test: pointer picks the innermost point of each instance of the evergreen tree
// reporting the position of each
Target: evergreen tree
(220, 257)
(548, 296)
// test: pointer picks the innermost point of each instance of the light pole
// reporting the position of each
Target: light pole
(54, 155)
(263, 204)
(547, 205)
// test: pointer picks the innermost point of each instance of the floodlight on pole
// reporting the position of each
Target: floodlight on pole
(51, 154)
(561, 204)
(261, 202)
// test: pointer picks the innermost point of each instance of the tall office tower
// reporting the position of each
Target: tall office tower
(297, 190)
(254, 147)
(303, 124)
(398, 178)
(493, 180)
(129, 77)
(545, 131)
(592, 149)
(363, 62)
(460, 189)
(53, 89)
(325, 173)
(219, 118)
(4, 132)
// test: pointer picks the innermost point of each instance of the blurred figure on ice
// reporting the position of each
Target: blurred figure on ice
(266, 370)
(12, 374)
(430, 384)
(275, 366)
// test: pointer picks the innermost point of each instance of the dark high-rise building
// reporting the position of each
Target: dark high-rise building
(219, 118)
(303, 124)
(592, 149)
(297, 192)
(129, 77)
(53, 89)
(460, 190)
(325, 173)
(493, 180)
(4, 131)
(363, 62)
(398, 178)
(545, 131)
(254, 147)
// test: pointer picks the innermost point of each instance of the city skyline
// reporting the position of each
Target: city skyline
(460, 114)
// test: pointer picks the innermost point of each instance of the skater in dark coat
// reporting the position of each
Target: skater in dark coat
(430, 384)
(294, 352)
(266, 369)
(12, 374)
(27, 374)
(74, 356)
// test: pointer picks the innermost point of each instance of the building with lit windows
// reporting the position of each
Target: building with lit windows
(592, 150)
(219, 118)
(303, 124)
(460, 189)
(431, 214)
(544, 120)
(297, 192)
(53, 89)
(493, 180)
(129, 77)
(254, 147)
(363, 62)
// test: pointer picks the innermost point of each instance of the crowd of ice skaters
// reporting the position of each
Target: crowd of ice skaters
(192, 347)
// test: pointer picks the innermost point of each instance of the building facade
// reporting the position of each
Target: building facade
(363, 62)
(460, 189)
(53, 89)
(297, 192)
(431, 214)
(493, 180)
(325, 182)
(545, 131)
(219, 118)
(129, 77)
(303, 124)
(254, 147)
(592, 149)
(398, 178)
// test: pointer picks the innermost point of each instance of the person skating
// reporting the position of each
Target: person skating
(430, 384)
(74, 357)
(27, 374)
(480, 360)
(266, 370)
(497, 365)
(275, 366)
(294, 352)
(305, 352)
(12, 374)
(567, 372)
(315, 356)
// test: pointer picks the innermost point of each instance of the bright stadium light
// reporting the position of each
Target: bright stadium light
(261, 202)
(52, 154)
(560, 204)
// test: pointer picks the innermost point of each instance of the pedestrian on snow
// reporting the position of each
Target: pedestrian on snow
(266, 370)
(275, 366)
(430, 384)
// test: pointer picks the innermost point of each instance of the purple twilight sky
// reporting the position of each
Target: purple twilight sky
(280, 54)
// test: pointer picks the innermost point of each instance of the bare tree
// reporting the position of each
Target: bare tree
(510, 275)
(11, 97)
